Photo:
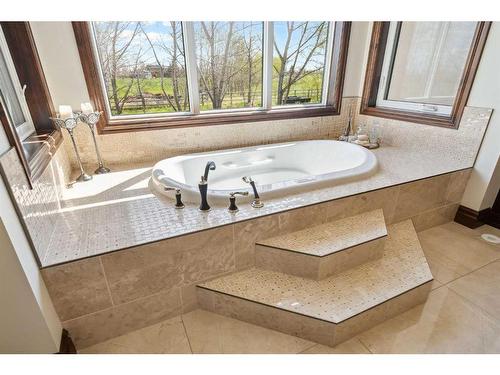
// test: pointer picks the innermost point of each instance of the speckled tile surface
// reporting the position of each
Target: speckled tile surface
(118, 210)
(337, 298)
(333, 236)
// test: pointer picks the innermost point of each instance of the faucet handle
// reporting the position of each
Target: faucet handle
(238, 193)
(171, 188)
(232, 200)
(178, 196)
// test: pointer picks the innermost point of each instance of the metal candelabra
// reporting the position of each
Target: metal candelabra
(91, 120)
(70, 124)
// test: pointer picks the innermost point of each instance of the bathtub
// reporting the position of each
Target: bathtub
(278, 169)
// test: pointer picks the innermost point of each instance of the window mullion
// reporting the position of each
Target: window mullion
(267, 74)
(191, 67)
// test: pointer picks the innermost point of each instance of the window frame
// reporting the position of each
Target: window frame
(336, 51)
(27, 128)
(378, 64)
(36, 151)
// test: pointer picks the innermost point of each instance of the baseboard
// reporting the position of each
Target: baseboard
(67, 346)
(473, 219)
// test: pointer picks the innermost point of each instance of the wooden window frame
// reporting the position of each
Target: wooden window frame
(373, 74)
(107, 125)
(36, 151)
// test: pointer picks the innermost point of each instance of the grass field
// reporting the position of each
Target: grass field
(308, 86)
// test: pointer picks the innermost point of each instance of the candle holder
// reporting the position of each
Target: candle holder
(91, 120)
(70, 124)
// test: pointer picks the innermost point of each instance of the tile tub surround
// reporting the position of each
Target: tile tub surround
(155, 145)
(334, 309)
(118, 211)
(39, 206)
(172, 267)
(122, 207)
(326, 249)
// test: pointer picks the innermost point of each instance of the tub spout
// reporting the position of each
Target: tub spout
(209, 167)
(203, 186)
(256, 203)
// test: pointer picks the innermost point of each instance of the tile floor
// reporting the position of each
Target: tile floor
(462, 314)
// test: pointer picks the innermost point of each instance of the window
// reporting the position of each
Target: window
(25, 103)
(422, 71)
(160, 74)
(12, 94)
(229, 64)
(143, 67)
(299, 61)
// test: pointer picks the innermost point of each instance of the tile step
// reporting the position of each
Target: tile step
(325, 249)
(334, 309)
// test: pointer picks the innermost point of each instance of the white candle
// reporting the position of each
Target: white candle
(65, 112)
(87, 108)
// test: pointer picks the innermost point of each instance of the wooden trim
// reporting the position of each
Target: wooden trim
(36, 151)
(67, 345)
(471, 218)
(30, 72)
(107, 125)
(373, 72)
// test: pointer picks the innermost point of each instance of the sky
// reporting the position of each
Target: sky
(159, 32)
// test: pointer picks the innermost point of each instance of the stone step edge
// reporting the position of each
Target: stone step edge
(324, 255)
(314, 317)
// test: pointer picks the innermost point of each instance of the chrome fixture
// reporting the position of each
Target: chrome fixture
(232, 200)
(70, 124)
(203, 186)
(256, 203)
(347, 131)
(91, 119)
(178, 196)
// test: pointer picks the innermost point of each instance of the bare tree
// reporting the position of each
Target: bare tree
(295, 59)
(251, 52)
(226, 59)
(114, 40)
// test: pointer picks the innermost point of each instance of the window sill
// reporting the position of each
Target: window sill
(111, 126)
(411, 116)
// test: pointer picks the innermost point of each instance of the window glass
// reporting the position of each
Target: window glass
(9, 95)
(143, 66)
(229, 61)
(429, 61)
(299, 62)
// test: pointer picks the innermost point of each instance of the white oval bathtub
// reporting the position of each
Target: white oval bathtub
(278, 169)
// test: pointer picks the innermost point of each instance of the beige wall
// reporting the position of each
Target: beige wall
(485, 179)
(28, 321)
(22, 324)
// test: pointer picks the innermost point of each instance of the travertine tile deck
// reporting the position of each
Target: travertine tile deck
(337, 298)
(328, 238)
(118, 210)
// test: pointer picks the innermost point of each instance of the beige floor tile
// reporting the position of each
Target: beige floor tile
(165, 337)
(212, 333)
(481, 288)
(352, 346)
(453, 250)
(446, 323)
(436, 284)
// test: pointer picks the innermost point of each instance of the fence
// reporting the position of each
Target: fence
(231, 100)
